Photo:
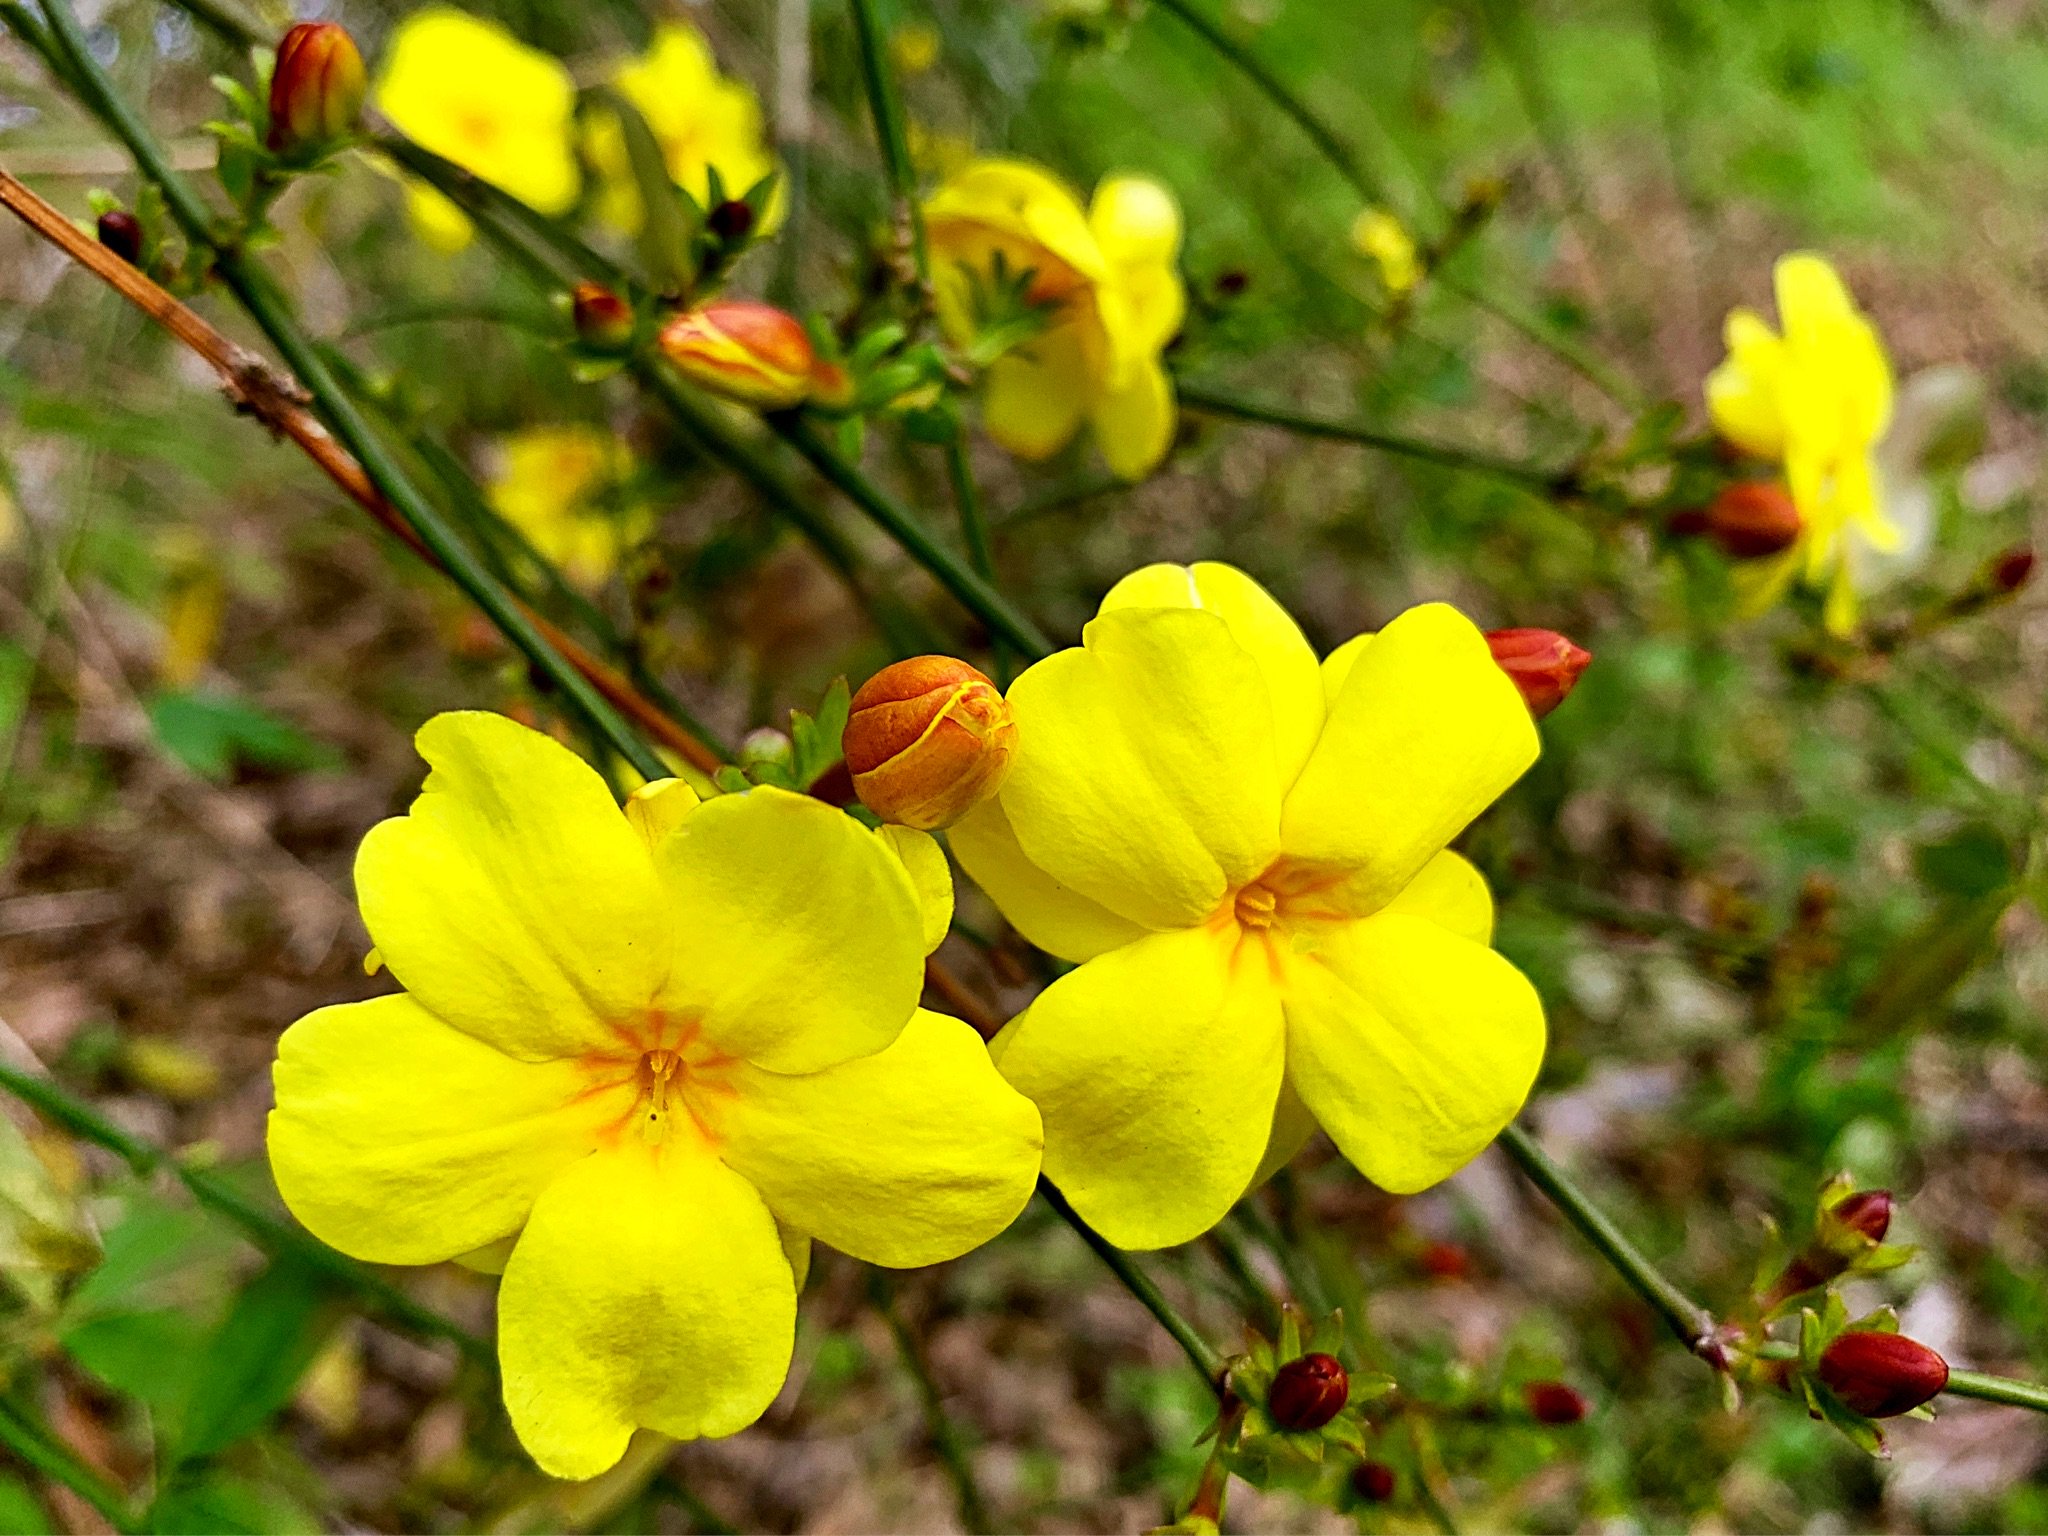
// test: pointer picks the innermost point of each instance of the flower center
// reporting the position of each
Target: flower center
(1256, 906)
(666, 1080)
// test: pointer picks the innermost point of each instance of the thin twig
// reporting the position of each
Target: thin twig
(945, 1434)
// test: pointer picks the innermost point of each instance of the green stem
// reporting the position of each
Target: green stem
(888, 114)
(1997, 1389)
(267, 1231)
(38, 1448)
(1687, 1319)
(945, 1434)
(1140, 1285)
(1216, 402)
(272, 315)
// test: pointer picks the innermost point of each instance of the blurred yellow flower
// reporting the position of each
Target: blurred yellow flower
(552, 485)
(1108, 281)
(471, 92)
(1377, 234)
(701, 119)
(1816, 398)
(655, 1051)
(1243, 853)
(914, 47)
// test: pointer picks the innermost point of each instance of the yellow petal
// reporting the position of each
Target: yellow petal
(514, 900)
(1261, 626)
(910, 1156)
(1135, 221)
(1134, 421)
(1411, 1046)
(1336, 669)
(1809, 291)
(925, 862)
(1427, 733)
(798, 938)
(658, 807)
(1033, 398)
(648, 1291)
(1744, 392)
(436, 220)
(1451, 894)
(402, 1141)
(1293, 1128)
(1156, 1068)
(1020, 204)
(1056, 918)
(1840, 611)
(1144, 776)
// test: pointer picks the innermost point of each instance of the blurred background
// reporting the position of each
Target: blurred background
(1781, 898)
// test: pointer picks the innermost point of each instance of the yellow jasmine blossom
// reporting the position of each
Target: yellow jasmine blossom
(1108, 281)
(1816, 397)
(1243, 852)
(1378, 234)
(471, 92)
(658, 1051)
(551, 487)
(914, 47)
(700, 117)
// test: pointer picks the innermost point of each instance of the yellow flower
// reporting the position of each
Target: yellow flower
(700, 118)
(471, 92)
(1244, 854)
(1378, 234)
(551, 488)
(1816, 399)
(659, 1051)
(1107, 278)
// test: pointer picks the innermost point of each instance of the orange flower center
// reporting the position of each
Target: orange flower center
(668, 1079)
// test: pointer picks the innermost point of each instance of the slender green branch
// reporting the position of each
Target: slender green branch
(887, 110)
(1997, 1389)
(268, 308)
(1687, 1319)
(945, 1434)
(269, 1232)
(37, 1448)
(1216, 402)
(1139, 1284)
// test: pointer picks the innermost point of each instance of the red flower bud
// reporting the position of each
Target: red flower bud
(1445, 1261)
(316, 87)
(1308, 1392)
(1541, 662)
(927, 740)
(730, 220)
(1868, 1213)
(750, 352)
(1882, 1374)
(603, 319)
(1552, 1402)
(1749, 519)
(1373, 1481)
(2012, 570)
(121, 232)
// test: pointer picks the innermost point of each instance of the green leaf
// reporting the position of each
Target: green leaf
(19, 1509)
(255, 1359)
(667, 238)
(816, 739)
(213, 735)
(220, 1502)
(1930, 963)
(1972, 861)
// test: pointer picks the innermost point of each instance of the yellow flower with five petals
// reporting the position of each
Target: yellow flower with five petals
(1243, 852)
(472, 93)
(1108, 281)
(661, 1050)
(1815, 397)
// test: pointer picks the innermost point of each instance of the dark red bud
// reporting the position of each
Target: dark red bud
(1309, 1392)
(603, 319)
(2012, 570)
(1232, 284)
(1868, 1211)
(730, 220)
(1444, 1261)
(1373, 1481)
(1552, 1402)
(1751, 519)
(121, 232)
(1880, 1375)
(1541, 662)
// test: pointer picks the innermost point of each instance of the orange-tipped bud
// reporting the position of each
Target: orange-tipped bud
(603, 319)
(1553, 1402)
(1881, 1375)
(1308, 1392)
(121, 232)
(316, 87)
(927, 740)
(1751, 519)
(750, 352)
(1540, 662)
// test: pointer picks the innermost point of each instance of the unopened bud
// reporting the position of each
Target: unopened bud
(603, 319)
(1881, 1375)
(1308, 1392)
(927, 740)
(1540, 662)
(1232, 282)
(121, 232)
(1373, 1481)
(316, 87)
(1749, 519)
(1445, 1261)
(1867, 1215)
(730, 220)
(1553, 1402)
(1847, 1230)
(2012, 570)
(750, 352)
